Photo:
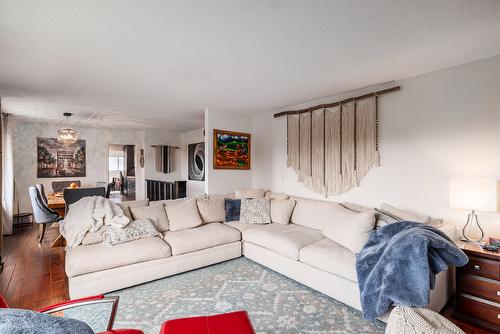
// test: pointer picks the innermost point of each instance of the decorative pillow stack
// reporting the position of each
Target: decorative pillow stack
(136, 229)
(255, 211)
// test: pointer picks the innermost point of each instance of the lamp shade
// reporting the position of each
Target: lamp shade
(474, 194)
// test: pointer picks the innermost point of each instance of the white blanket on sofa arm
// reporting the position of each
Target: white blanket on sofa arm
(89, 214)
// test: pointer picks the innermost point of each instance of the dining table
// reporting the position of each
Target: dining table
(55, 201)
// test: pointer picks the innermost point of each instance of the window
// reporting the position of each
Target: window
(116, 163)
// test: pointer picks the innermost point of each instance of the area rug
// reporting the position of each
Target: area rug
(275, 303)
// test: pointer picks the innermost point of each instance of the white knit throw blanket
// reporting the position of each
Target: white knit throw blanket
(88, 215)
(414, 320)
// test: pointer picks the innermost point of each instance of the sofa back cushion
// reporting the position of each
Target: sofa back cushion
(315, 213)
(352, 231)
(154, 212)
(272, 195)
(249, 193)
(183, 215)
(132, 204)
(211, 210)
(281, 210)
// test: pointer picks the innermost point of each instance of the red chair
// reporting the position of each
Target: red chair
(99, 299)
(228, 323)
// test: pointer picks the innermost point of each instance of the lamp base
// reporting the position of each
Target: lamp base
(468, 228)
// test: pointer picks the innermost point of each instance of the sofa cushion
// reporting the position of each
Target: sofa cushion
(352, 231)
(211, 210)
(281, 210)
(164, 202)
(239, 226)
(155, 212)
(205, 236)
(315, 213)
(95, 237)
(249, 193)
(286, 240)
(132, 204)
(255, 211)
(136, 229)
(404, 215)
(87, 259)
(183, 215)
(331, 257)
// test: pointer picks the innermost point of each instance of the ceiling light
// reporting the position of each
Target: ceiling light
(67, 135)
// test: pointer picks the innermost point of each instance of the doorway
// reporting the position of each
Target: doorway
(121, 172)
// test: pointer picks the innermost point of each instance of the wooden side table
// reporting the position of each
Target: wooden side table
(477, 298)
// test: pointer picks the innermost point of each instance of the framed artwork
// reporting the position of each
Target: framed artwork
(231, 150)
(196, 162)
(59, 160)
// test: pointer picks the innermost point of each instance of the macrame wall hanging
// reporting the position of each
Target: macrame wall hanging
(333, 146)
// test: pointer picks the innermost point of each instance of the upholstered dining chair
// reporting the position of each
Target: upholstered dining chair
(106, 185)
(74, 195)
(41, 212)
(41, 189)
(93, 300)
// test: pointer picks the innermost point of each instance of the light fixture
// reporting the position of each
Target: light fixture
(474, 195)
(67, 135)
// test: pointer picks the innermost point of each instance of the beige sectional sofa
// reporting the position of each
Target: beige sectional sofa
(298, 250)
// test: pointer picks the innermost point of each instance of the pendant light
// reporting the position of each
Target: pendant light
(67, 135)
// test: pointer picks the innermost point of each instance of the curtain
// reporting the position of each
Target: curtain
(7, 176)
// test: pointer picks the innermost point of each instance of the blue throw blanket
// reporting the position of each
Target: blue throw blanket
(15, 321)
(399, 263)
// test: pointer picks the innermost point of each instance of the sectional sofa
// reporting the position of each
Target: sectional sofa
(297, 250)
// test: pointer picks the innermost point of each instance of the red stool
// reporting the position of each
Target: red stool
(229, 323)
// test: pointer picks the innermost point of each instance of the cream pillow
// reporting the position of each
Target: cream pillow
(272, 195)
(132, 204)
(351, 232)
(281, 210)
(405, 215)
(183, 215)
(212, 210)
(249, 193)
(94, 237)
(154, 212)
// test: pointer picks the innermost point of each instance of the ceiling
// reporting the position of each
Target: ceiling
(158, 63)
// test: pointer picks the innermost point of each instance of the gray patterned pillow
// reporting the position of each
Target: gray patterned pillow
(136, 229)
(255, 211)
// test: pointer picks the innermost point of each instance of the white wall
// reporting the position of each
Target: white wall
(220, 181)
(194, 188)
(440, 125)
(97, 144)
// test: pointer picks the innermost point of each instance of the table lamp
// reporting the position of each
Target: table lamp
(474, 195)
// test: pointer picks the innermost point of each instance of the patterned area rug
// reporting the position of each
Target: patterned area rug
(275, 303)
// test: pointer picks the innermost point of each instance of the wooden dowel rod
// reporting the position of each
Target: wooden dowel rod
(334, 104)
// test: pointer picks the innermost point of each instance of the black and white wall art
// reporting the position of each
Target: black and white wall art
(196, 162)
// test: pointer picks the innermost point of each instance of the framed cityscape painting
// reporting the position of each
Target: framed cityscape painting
(59, 160)
(231, 150)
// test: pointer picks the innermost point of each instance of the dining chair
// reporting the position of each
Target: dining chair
(105, 185)
(41, 189)
(74, 195)
(41, 212)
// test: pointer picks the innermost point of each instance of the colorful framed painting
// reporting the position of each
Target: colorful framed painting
(231, 150)
(58, 160)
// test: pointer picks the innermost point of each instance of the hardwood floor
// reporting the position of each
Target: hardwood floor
(33, 276)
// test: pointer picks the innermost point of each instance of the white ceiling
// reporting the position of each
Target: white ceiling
(160, 63)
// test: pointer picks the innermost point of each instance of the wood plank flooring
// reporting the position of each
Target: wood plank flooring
(33, 274)
(34, 277)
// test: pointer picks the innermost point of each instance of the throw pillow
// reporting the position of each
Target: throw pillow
(136, 229)
(249, 193)
(183, 215)
(281, 210)
(211, 210)
(255, 211)
(355, 207)
(382, 218)
(154, 212)
(405, 215)
(272, 195)
(232, 208)
(352, 232)
(127, 205)
(95, 237)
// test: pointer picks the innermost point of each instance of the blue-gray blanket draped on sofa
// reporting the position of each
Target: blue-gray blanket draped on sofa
(399, 263)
